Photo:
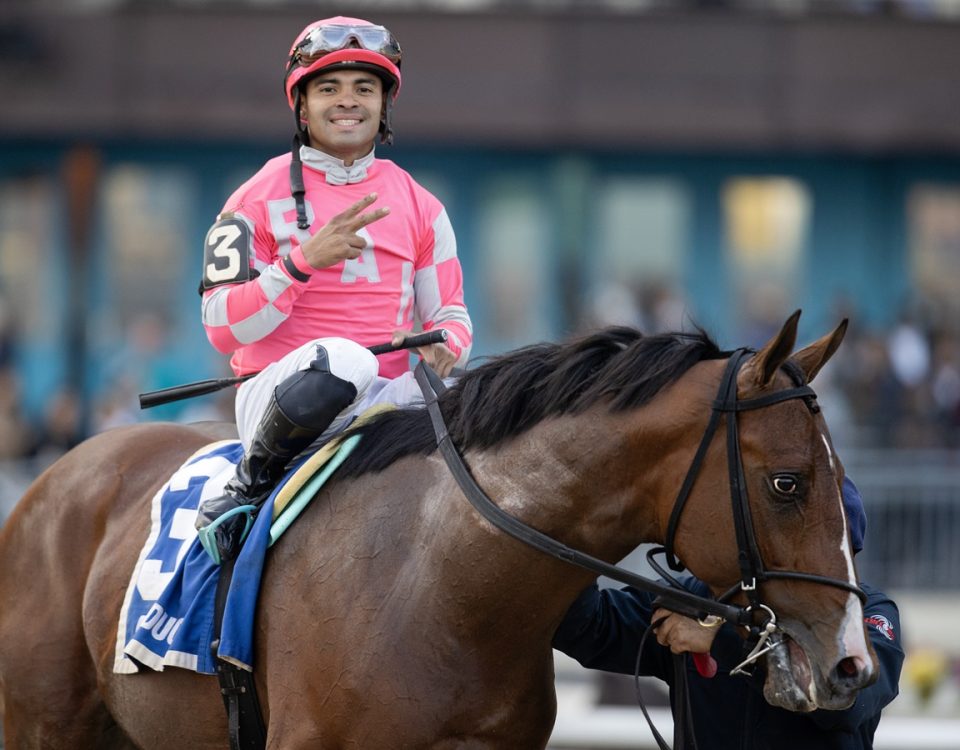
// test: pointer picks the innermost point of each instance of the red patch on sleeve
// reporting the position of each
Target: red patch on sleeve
(882, 624)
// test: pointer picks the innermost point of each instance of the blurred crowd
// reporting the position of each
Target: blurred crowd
(888, 387)
(893, 387)
(901, 386)
(32, 440)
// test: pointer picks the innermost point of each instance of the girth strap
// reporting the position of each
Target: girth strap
(237, 687)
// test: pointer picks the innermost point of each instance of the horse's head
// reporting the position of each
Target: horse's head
(792, 479)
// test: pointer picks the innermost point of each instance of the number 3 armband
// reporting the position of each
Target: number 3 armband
(226, 252)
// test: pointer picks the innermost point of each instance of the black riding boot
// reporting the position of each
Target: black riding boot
(302, 407)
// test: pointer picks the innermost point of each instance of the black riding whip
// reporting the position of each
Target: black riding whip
(202, 387)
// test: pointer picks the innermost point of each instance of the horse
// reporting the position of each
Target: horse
(391, 614)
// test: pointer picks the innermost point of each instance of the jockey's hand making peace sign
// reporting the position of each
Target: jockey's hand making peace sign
(338, 240)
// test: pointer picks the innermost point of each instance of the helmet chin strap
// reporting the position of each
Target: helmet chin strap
(297, 188)
(386, 129)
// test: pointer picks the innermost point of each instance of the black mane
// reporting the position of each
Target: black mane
(510, 393)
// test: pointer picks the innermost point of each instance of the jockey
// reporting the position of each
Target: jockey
(301, 272)
(602, 630)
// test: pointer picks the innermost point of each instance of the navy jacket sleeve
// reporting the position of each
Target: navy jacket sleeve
(602, 630)
(882, 619)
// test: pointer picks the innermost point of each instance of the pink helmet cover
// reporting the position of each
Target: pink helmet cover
(339, 58)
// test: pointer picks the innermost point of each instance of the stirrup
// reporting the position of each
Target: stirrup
(208, 537)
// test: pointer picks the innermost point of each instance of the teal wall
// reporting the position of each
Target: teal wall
(551, 204)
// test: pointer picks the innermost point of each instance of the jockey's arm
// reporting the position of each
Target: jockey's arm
(438, 298)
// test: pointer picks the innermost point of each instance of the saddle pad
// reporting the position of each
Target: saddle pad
(167, 614)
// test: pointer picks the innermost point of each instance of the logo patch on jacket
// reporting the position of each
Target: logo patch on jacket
(882, 624)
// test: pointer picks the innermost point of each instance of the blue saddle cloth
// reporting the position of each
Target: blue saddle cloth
(167, 615)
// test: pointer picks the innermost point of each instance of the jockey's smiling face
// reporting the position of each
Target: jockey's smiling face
(342, 110)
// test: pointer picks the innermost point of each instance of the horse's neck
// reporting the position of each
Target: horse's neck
(568, 479)
(580, 480)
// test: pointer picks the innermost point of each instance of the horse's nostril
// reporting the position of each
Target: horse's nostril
(848, 670)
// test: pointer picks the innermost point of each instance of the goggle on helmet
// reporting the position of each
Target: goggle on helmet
(343, 42)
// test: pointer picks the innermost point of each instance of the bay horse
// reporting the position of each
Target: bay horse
(393, 616)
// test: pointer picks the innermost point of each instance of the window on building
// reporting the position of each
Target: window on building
(933, 212)
(638, 264)
(31, 302)
(147, 215)
(513, 242)
(767, 225)
(148, 249)
(27, 224)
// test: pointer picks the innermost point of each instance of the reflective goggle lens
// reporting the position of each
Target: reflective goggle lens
(325, 39)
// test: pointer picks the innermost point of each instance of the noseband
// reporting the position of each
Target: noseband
(672, 594)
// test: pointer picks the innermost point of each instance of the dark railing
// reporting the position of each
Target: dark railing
(912, 500)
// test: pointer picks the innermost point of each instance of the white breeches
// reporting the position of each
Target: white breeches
(348, 360)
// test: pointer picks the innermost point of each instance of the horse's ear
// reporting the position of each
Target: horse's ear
(815, 356)
(759, 370)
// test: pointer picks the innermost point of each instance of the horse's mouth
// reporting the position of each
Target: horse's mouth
(790, 683)
(794, 683)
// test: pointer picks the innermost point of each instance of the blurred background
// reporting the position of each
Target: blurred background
(658, 163)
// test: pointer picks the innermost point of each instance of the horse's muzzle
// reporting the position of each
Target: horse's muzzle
(793, 683)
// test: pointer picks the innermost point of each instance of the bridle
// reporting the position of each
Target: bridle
(671, 593)
(752, 569)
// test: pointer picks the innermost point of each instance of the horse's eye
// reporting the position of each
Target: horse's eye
(785, 484)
